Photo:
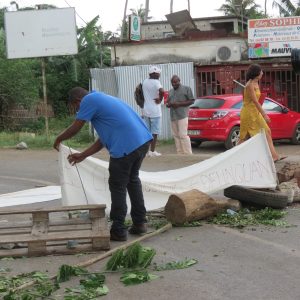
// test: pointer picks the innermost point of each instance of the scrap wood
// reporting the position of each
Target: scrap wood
(104, 255)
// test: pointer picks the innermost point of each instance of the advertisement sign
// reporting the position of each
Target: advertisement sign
(135, 28)
(273, 37)
(40, 33)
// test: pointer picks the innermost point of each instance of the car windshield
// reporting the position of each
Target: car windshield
(207, 103)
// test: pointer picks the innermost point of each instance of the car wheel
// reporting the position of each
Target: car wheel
(233, 137)
(274, 199)
(195, 144)
(296, 135)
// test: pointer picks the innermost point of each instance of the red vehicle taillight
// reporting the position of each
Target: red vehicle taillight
(219, 114)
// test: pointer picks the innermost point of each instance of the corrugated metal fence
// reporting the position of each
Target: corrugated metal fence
(121, 82)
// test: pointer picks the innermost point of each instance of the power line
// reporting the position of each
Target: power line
(76, 13)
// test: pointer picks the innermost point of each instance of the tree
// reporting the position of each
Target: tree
(238, 8)
(287, 7)
(18, 82)
(141, 12)
(62, 72)
(123, 35)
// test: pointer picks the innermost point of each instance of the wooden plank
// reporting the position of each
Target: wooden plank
(36, 248)
(40, 220)
(51, 250)
(44, 235)
(61, 228)
(96, 213)
(55, 209)
(97, 226)
(54, 236)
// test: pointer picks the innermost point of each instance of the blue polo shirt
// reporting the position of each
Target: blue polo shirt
(119, 127)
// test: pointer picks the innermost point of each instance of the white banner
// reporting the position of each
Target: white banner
(249, 164)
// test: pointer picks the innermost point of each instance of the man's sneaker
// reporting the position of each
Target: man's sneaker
(150, 153)
(116, 237)
(138, 228)
(155, 153)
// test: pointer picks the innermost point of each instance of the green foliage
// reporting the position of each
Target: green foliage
(18, 84)
(82, 293)
(131, 256)
(116, 261)
(238, 8)
(42, 288)
(176, 265)
(287, 7)
(21, 81)
(39, 140)
(93, 280)
(65, 272)
(135, 256)
(245, 217)
(137, 277)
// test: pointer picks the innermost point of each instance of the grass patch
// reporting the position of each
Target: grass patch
(37, 139)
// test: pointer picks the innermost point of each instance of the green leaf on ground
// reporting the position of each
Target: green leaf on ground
(246, 217)
(65, 272)
(176, 265)
(137, 277)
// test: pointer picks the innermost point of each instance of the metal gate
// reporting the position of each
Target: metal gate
(279, 81)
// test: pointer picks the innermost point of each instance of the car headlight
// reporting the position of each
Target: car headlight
(219, 114)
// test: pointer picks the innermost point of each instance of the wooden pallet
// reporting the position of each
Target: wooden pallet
(52, 231)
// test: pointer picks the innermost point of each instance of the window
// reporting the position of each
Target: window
(271, 106)
(237, 105)
(208, 103)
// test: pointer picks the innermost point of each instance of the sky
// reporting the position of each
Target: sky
(111, 11)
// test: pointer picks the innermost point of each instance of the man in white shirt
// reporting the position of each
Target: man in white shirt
(153, 94)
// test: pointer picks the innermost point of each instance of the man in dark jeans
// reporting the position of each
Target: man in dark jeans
(127, 139)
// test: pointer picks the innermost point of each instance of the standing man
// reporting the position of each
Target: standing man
(153, 94)
(124, 134)
(179, 100)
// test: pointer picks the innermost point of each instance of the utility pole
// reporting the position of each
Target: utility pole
(146, 11)
(240, 13)
(171, 6)
(124, 21)
(189, 6)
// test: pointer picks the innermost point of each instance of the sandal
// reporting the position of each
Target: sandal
(280, 158)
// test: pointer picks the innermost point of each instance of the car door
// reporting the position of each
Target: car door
(280, 120)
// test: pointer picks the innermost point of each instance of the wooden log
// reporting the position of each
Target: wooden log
(195, 205)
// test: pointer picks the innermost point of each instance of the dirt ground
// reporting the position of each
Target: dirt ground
(254, 263)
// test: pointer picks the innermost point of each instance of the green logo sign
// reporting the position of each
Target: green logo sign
(135, 23)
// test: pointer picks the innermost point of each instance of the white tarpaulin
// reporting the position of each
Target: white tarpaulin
(250, 164)
(31, 196)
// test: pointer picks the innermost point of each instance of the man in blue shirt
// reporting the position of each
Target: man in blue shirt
(124, 134)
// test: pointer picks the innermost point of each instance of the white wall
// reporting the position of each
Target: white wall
(176, 51)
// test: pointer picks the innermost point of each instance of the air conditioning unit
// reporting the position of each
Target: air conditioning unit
(168, 34)
(228, 53)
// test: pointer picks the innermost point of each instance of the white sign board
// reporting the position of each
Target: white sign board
(273, 37)
(39, 33)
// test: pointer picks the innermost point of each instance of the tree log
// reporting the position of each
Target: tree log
(195, 205)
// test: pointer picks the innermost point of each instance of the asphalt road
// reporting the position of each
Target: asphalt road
(253, 263)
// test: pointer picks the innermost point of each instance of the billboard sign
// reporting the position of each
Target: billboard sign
(135, 28)
(273, 37)
(40, 33)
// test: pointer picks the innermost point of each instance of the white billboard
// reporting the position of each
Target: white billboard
(40, 33)
(273, 37)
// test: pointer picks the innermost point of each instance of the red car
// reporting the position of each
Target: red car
(217, 118)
